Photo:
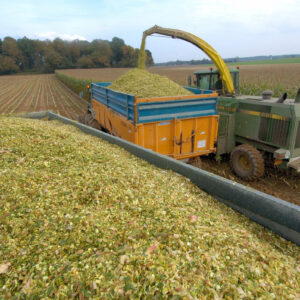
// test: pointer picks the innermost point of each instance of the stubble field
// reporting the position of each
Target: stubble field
(28, 93)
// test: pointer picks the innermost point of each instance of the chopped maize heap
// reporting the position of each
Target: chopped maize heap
(81, 218)
(142, 84)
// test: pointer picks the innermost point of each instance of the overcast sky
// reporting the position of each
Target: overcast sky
(232, 27)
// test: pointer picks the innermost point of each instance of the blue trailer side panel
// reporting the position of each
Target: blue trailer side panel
(118, 102)
(179, 109)
(157, 110)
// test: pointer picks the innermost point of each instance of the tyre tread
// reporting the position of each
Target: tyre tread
(256, 158)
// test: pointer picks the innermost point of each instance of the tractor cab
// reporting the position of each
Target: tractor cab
(210, 80)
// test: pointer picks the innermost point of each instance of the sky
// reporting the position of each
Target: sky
(232, 27)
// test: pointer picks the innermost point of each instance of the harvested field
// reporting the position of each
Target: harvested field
(178, 75)
(98, 75)
(254, 78)
(28, 93)
(109, 225)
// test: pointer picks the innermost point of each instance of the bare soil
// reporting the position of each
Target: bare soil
(29, 93)
(285, 75)
(282, 184)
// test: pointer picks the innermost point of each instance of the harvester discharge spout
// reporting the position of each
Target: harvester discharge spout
(205, 47)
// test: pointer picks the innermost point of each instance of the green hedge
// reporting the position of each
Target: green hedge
(77, 85)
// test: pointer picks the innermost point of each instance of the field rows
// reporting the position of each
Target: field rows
(28, 93)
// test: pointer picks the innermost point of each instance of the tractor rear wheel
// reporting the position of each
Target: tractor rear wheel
(247, 162)
(88, 120)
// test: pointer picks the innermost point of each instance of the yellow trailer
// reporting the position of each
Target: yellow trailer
(182, 127)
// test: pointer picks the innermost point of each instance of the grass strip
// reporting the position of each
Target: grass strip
(77, 85)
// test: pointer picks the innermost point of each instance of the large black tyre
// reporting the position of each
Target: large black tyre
(247, 162)
(88, 120)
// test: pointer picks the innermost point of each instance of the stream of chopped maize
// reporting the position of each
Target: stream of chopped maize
(81, 218)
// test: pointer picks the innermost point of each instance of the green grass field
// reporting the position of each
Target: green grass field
(290, 60)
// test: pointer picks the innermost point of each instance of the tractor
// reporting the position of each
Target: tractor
(254, 130)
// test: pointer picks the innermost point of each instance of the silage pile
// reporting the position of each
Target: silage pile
(142, 84)
(81, 218)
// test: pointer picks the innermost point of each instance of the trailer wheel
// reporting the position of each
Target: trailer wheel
(247, 162)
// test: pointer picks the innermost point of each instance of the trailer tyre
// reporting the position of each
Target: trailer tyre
(247, 162)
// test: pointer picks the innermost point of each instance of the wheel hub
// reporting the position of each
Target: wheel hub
(245, 162)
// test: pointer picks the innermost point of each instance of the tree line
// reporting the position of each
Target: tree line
(203, 61)
(27, 55)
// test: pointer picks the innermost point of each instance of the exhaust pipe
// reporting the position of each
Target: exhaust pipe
(297, 99)
(282, 98)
